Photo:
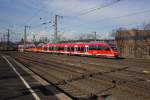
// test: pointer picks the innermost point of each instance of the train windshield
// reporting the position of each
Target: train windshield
(114, 48)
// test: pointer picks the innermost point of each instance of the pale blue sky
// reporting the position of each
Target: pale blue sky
(15, 14)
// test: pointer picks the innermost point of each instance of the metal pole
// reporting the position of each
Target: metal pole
(8, 35)
(25, 36)
(33, 38)
(4, 42)
(95, 35)
(55, 34)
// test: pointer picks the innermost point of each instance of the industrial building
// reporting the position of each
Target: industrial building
(133, 43)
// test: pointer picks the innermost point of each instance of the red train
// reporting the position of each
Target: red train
(97, 49)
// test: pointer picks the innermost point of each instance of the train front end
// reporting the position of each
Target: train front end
(115, 51)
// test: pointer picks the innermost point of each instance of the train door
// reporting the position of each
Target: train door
(75, 49)
(86, 49)
(42, 48)
(55, 48)
(47, 48)
(65, 49)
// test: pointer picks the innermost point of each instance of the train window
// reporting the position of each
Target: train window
(82, 48)
(66, 49)
(32, 46)
(55, 48)
(60, 48)
(45, 48)
(52, 48)
(39, 47)
(114, 48)
(99, 48)
(72, 48)
(78, 48)
(94, 48)
(75, 48)
(63, 48)
(105, 48)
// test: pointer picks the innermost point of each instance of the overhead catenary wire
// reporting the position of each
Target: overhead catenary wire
(89, 10)
(29, 20)
(100, 7)
(124, 16)
(44, 23)
(127, 15)
(32, 17)
(92, 10)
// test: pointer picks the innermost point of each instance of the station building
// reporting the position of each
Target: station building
(133, 43)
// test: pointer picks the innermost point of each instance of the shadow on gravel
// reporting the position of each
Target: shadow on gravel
(88, 56)
(4, 77)
(103, 97)
(103, 57)
(40, 91)
(118, 58)
(13, 97)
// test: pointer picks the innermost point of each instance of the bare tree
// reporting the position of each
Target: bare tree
(113, 33)
(146, 26)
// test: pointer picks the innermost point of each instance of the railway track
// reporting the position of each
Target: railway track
(86, 66)
(99, 67)
(88, 80)
(115, 62)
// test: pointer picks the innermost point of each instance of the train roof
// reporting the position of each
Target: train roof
(76, 44)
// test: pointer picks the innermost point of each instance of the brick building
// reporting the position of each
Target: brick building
(133, 43)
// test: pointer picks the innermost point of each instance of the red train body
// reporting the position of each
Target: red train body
(96, 49)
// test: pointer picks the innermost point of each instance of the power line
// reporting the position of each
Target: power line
(130, 14)
(98, 8)
(126, 15)
(89, 10)
(44, 23)
(34, 15)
